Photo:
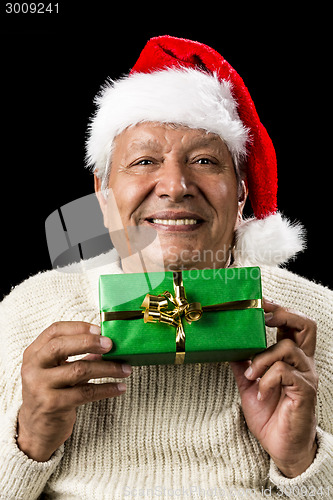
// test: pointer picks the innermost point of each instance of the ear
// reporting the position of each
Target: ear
(108, 205)
(242, 197)
(102, 200)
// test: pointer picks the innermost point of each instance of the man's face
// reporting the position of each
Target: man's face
(180, 182)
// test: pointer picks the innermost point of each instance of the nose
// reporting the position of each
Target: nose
(175, 182)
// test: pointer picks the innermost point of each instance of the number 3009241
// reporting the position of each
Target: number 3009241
(32, 8)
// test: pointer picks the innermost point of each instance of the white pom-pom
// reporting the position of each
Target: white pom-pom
(271, 241)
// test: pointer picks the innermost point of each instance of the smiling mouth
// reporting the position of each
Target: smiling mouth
(175, 222)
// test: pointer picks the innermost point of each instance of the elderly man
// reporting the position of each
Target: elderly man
(176, 148)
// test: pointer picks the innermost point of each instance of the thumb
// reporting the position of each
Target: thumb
(238, 369)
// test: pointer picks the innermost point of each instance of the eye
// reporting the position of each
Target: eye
(204, 161)
(144, 162)
(207, 164)
(144, 165)
(141, 162)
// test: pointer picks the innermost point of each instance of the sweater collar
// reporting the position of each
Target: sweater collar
(107, 263)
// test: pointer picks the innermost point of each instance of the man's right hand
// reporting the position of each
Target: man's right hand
(52, 387)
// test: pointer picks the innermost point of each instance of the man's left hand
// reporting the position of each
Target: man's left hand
(278, 391)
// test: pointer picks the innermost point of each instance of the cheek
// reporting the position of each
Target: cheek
(223, 197)
(128, 193)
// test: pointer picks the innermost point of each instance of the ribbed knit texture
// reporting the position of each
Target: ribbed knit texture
(178, 432)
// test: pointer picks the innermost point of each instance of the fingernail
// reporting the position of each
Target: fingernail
(95, 329)
(259, 396)
(248, 372)
(105, 342)
(269, 316)
(270, 301)
(121, 387)
(127, 369)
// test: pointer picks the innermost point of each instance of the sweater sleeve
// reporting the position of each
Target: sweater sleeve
(316, 302)
(316, 481)
(20, 323)
(20, 477)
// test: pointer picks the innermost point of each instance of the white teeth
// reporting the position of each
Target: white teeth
(175, 222)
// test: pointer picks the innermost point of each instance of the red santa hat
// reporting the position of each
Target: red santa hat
(188, 83)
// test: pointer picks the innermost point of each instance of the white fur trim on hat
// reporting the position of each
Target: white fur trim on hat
(183, 96)
(270, 241)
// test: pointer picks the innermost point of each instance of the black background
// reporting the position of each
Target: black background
(54, 64)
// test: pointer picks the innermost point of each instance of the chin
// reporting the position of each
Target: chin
(167, 256)
(172, 259)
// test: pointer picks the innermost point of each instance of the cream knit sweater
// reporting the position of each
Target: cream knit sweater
(178, 432)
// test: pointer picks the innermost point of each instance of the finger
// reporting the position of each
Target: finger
(282, 375)
(58, 349)
(78, 372)
(92, 357)
(239, 369)
(88, 393)
(287, 351)
(293, 325)
(61, 328)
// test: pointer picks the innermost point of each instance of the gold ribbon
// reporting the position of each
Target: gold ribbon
(156, 310)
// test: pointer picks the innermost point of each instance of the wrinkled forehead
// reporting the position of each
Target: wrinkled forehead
(162, 138)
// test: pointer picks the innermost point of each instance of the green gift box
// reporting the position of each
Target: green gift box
(191, 316)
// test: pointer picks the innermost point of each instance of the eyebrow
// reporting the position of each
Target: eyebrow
(205, 141)
(212, 141)
(154, 145)
(139, 144)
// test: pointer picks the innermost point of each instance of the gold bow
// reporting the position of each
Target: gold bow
(156, 310)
